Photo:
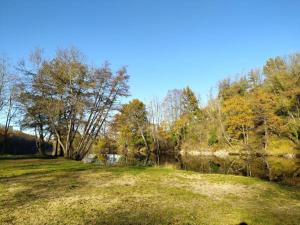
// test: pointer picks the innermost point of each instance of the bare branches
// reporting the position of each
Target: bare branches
(75, 99)
(3, 80)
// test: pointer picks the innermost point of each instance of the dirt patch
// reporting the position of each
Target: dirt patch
(15, 188)
(75, 200)
(197, 184)
(189, 176)
(220, 190)
(107, 180)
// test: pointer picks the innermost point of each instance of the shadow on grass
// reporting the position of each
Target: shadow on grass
(20, 157)
(54, 182)
(125, 169)
(40, 187)
(45, 169)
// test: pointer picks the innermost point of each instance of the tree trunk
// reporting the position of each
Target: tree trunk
(266, 134)
(147, 147)
(40, 142)
(57, 150)
(158, 152)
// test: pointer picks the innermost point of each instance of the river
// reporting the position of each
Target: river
(274, 168)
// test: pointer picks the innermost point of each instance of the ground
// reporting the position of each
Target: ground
(58, 191)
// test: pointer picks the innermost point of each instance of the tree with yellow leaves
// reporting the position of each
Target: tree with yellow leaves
(239, 118)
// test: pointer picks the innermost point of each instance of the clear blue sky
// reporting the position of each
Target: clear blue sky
(166, 44)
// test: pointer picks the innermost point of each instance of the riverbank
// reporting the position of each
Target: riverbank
(226, 153)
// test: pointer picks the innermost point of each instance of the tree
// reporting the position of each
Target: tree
(132, 124)
(3, 77)
(192, 116)
(11, 110)
(9, 90)
(239, 118)
(189, 101)
(228, 88)
(264, 106)
(255, 79)
(155, 116)
(185, 127)
(283, 80)
(214, 120)
(292, 100)
(32, 101)
(75, 99)
(172, 106)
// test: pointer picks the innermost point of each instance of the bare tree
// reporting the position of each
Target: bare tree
(9, 90)
(77, 99)
(11, 109)
(173, 105)
(69, 101)
(155, 116)
(31, 100)
(3, 77)
(103, 95)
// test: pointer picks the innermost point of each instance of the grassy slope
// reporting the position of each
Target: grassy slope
(40, 191)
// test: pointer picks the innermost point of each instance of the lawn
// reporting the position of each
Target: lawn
(58, 191)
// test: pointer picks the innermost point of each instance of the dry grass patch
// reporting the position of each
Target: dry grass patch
(197, 184)
(108, 179)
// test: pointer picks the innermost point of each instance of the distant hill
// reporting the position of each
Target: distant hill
(18, 143)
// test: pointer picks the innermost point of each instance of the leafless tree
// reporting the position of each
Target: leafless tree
(155, 116)
(9, 90)
(3, 77)
(172, 105)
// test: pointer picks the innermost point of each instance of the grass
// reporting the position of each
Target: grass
(58, 191)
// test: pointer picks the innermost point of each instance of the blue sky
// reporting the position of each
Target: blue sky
(166, 44)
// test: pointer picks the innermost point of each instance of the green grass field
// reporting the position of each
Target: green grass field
(57, 191)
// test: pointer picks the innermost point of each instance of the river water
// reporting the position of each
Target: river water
(273, 168)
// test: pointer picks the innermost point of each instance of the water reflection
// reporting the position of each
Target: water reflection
(273, 168)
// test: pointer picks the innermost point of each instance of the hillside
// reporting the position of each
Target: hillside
(19, 143)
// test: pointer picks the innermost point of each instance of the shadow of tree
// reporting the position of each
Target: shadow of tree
(40, 187)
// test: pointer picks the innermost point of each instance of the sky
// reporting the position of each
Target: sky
(165, 44)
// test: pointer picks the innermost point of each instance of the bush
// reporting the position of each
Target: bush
(213, 139)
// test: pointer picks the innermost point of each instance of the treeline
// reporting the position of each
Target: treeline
(72, 105)
(257, 113)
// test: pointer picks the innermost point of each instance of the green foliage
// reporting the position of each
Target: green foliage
(213, 138)
(189, 101)
(104, 145)
(130, 129)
